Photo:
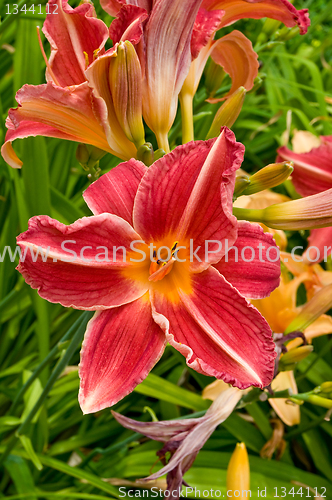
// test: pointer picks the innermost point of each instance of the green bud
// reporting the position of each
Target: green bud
(214, 75)
(227, 113)
(145, 153)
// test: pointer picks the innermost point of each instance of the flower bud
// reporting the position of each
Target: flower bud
(290, 358)
(145, 153)
(125, 80)
(228, 112)
(214, 75)
(238, 471)
(241, 183)
(312, 310)
(88, 155)
(268, 177)
(325, 390)
(305, 213)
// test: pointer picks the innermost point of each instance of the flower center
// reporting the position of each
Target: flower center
(162, 265)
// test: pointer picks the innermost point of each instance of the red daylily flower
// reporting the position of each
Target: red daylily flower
(167, 36)
(183, 200)
(70, 106)
(183, 438)
(312, 175)
(167, 58)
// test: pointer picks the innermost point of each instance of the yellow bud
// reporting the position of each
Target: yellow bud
(125, 80)
(268, 177)
(325, 389)
(290, 358)
(238, 472)
(228, 112)
(312, 310)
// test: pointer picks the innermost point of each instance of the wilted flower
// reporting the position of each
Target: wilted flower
(183, 438)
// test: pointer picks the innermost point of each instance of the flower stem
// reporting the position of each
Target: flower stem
(253, 215)
(162, 140)
(186, 102)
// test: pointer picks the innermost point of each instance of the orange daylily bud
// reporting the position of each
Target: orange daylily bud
(238, 472)
(125, 79)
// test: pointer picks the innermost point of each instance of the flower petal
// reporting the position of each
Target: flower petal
(184, 456)
(55, 112)
(289, 413)
(312, 171)
(190, 190)
(120, 347)
(321, 240)
(160, 431)
(70, 264)
(255, 275)
(72, 33)
(98, 78)
(235, 54)
(281, 10)
(167, 37)
(128, 24)
(206, 23)
(112, 7)
(115, 191)
(218, 331)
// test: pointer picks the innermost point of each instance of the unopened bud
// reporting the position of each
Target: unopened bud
(268, 177)
(287, 33)
(319, 304)
(214, 75)
(125, 80)
(325, 390)
(82, 154)
(227, 113)
(305, 213)
(145, 153)
(241, 183)
(238, 471)
(88, 155)
(290, 358)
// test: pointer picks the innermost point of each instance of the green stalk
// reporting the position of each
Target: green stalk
(76, 340)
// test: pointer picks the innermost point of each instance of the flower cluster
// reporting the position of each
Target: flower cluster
(215, 309)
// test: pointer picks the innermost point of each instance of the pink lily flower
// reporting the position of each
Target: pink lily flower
(312, 175)
(70, 106)
(174, 62)
(147, 296)
(183, 438)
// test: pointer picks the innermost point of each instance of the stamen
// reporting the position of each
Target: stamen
(86, 57)
(174, 246)
(45, 58)
(95, 54)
